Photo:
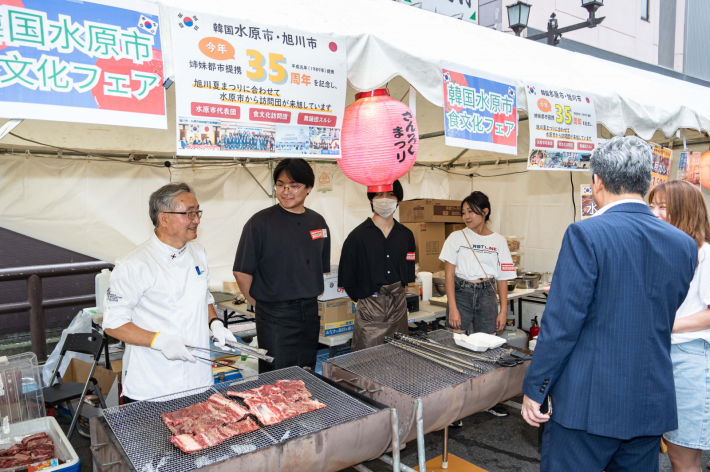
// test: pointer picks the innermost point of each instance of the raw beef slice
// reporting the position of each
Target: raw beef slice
(265, 411)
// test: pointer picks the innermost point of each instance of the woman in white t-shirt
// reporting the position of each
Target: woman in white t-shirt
(683, 205)
(475, 260)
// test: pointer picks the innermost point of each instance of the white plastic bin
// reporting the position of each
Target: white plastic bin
(63, 450)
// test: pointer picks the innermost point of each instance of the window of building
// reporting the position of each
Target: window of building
(644, 9)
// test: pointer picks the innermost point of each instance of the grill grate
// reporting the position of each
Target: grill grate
(407, 373)
(143, 435)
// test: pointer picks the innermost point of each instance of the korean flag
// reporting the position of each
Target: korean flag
(146, 24)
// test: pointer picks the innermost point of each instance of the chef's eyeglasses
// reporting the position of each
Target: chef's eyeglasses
(294, 188)
(190, 214)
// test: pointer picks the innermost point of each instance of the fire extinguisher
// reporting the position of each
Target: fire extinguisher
(534, 328)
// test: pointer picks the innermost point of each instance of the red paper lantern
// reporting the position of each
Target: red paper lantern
(380, 140)
(705, 169)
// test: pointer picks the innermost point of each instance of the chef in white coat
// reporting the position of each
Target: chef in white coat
(158, 302)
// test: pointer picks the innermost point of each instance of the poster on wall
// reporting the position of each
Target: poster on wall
(689, 167)
(98, 62)
(480, 110)
(589, 206)
(661, 166)
(563, 128)
(466, 10)
(247, 89)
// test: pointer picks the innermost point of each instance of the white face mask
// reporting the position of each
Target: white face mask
(384, 206)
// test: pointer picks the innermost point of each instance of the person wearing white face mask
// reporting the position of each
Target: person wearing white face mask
(376, 263)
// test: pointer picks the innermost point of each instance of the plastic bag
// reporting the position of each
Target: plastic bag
(80, 324)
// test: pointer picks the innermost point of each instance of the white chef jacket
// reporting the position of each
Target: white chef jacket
(160, 288)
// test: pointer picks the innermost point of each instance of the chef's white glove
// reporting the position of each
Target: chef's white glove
(172, 347)
(222, 335)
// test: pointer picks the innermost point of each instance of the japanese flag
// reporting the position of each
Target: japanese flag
(146, 24)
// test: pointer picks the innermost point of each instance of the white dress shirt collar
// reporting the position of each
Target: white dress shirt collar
(618, 202)
(170, 252)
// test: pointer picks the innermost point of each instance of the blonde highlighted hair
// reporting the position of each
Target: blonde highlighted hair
(685, 207)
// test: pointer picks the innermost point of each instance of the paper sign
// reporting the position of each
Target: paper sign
(480, 110)
(324, 178)
(563, 128)
(247, 89)
(98, 62)
(588, 207)
(661, 165)
(689, 167)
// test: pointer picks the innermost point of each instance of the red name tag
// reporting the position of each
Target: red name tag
(410, 256)
(319, 234)
(507, 267)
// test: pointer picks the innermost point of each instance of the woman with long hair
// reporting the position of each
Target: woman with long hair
(683, 205)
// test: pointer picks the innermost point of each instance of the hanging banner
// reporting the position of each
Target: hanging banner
(466, 10)
(480, 110)
(247, 89)
(563, 128)
(661, 166)
(98, 62)
(689, 167)
(589, 206)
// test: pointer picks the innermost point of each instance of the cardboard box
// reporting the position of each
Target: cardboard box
(336, 316)
(430, 240)
(451, 227)
(430, 211)
(331, 291)
(78, 371)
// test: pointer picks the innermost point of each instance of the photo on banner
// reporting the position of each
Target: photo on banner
(661, 165)
(98, 62)
(689, 167)
(563, 128)
(480, 110)
(588, 206)
(267, 90)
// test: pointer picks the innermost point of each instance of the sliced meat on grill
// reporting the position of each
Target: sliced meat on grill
(296, 395)
(198, 418)
(304, 406)
(284, 405)
(186, 443)
(242, 427)
(265, 411)
(264, 391)
(288, 385)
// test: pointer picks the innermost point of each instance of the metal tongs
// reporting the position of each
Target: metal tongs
(247, 350)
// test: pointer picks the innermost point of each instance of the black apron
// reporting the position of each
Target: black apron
(380, 316)
(289, 332)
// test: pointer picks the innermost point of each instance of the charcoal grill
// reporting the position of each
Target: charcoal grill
(428, 397)
(351, 429)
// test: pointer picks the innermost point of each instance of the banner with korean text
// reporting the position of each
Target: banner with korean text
(480, 110)
(563, 128)
(246, 89)
(96, 61)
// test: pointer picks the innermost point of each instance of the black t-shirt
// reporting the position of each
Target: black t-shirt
(369, 260)
(286, 253)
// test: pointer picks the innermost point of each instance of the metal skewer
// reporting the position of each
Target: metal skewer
(211, 361)
(434, 344)
(445, 357)
(424, 355)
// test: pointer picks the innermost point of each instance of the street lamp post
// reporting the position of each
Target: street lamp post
(519, 13)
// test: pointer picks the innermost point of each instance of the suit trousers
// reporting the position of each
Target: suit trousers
(565, 450)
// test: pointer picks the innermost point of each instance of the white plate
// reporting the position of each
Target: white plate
(478, 341)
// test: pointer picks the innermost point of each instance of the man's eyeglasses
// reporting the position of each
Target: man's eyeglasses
(293, 188)
(190, 214)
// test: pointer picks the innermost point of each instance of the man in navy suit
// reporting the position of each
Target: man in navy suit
(603, 354)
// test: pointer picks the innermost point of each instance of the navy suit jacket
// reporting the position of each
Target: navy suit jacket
(603, 352)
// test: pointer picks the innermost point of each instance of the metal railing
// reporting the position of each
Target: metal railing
(36, 303)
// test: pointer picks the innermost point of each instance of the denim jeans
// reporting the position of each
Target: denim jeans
(477, 304)
(691, 373)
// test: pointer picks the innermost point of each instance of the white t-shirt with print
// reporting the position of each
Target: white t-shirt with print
(698, 297)
(492, 251)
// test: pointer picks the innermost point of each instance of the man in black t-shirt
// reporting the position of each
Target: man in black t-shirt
(376, 263)
(282, 256)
